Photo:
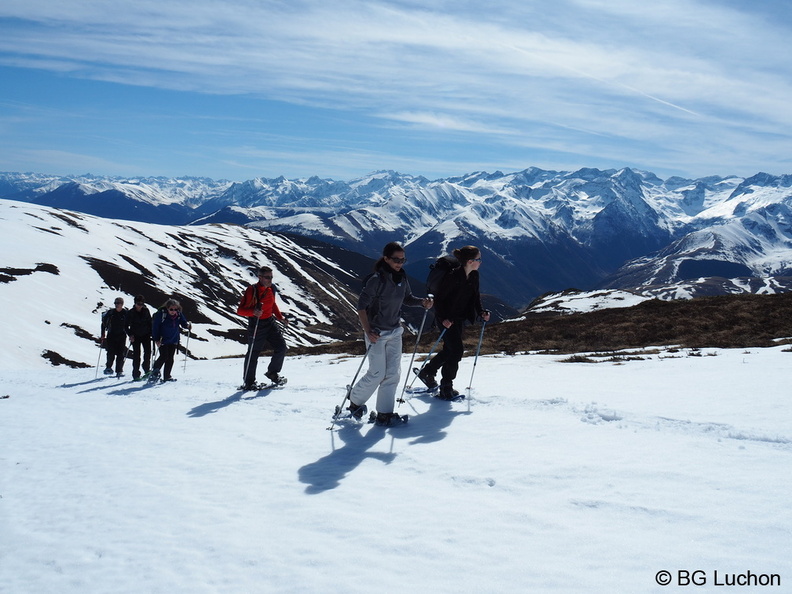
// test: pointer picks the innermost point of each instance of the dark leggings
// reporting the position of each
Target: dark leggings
(165, 359)
(448, 359)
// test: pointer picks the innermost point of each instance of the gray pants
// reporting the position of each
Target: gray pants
(384, 369)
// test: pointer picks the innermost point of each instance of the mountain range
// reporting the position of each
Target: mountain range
(540, 231)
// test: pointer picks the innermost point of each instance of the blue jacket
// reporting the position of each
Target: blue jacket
(166, 327)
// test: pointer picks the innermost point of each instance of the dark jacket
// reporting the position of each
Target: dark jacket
(139, 322)
(114, 323)
(382, 297)
(458, 297)
(166, 326)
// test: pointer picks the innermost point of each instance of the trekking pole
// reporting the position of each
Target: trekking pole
(98, 360)
(154, 358)
(123, 355)
(250, 351)
(475, 360)
(186, 345)
(349, 389)
(415, 350)
(434, 346)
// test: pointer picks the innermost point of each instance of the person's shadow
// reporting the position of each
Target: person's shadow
(327, 472)
(212, 407)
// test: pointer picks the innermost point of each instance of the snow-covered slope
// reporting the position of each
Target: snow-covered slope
(62, 269)
(557, 478)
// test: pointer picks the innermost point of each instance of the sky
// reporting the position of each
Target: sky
(263, 88)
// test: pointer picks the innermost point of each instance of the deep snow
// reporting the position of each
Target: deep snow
(554, 477)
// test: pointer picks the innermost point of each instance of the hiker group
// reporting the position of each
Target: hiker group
(453, 291)
(142, 329)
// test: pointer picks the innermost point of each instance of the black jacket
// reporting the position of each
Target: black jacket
(139, 322)
(114, 323)
(458, 297)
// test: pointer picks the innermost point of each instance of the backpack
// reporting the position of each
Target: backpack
(438, 271)
(373, 307)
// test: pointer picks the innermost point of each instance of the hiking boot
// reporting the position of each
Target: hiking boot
(357, 410)
(389, 419)
(275, 378)
(447, 392)
(109, 371)
(427, 377)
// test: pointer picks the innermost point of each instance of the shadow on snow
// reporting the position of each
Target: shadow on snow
(212, 407)
(327, 473)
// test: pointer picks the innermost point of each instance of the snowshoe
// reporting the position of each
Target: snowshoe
(422, 390)
(259, 386)
(387, 419)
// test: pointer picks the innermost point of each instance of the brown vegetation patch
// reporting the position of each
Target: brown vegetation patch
(728, 321)
(9, 274)
(57, 359)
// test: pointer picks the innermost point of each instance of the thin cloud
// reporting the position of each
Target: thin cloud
(670, 75)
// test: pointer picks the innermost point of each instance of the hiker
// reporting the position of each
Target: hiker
(379, 309)
(114, 323)
(165, 331)
(457, 301)
(139, 332)
(259, 306)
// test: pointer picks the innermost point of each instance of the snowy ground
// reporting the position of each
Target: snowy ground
(555, 477)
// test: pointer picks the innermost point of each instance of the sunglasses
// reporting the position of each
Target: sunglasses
(398, 260)
(265, 276)
(173, 309)
(476, 260)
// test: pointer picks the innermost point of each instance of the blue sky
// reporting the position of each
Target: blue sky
(258, 88)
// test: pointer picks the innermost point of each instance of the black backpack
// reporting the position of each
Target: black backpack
(438, 271)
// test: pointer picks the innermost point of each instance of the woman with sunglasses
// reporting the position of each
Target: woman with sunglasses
(457, 301)
(379, 309)
(165, 331)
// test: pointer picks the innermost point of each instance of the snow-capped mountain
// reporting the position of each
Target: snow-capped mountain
(746, 234)
(539, 230)
(151, 199)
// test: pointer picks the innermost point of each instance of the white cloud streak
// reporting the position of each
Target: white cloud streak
(669, 75)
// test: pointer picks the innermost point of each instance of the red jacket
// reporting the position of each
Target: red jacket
(262, 296)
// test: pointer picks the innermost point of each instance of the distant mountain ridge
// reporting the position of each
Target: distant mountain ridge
(540, 231)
